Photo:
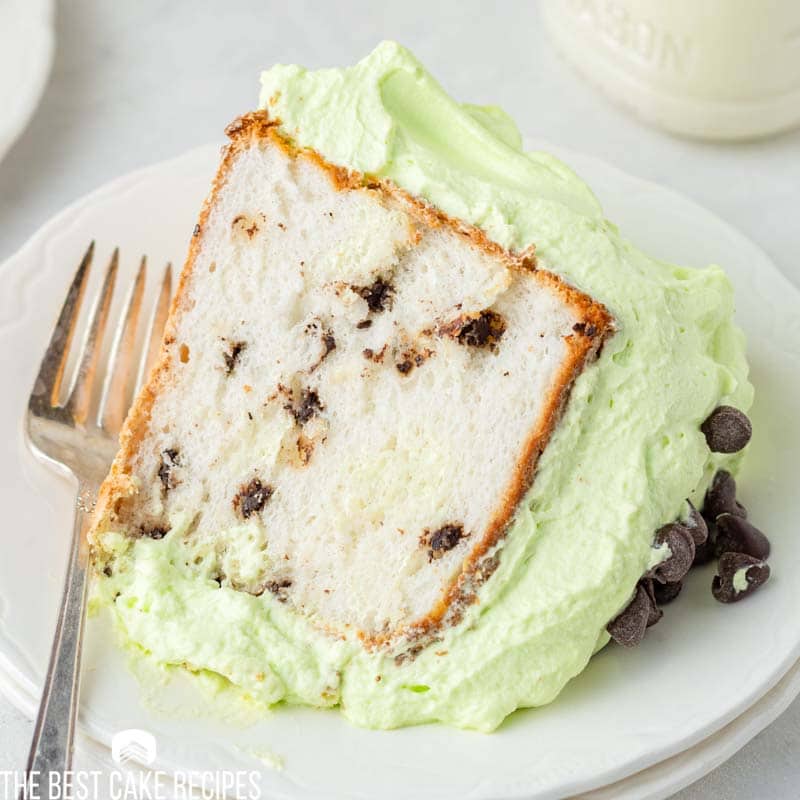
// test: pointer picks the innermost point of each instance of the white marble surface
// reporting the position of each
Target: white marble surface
(134, 83)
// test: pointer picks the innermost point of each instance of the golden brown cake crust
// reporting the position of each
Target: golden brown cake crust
(594, 327)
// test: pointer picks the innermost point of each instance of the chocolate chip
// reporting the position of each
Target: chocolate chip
(371, 355)
(697, 526)
(739, 576)
(655, 613)
(585, 329)
(305, 406)
(328, 342)
(703, 553)
(666, 592)
(442, 539)
(279, 589)
(410, 358)
(484, 330)
(680, 541)
(727, 430)
(409, 655)
(231, 355)
(365, 323)
(169, 459)
(378, 295)
(737, 535)
(628, 628)
(252, 497)
(155, 532)
(721, 498)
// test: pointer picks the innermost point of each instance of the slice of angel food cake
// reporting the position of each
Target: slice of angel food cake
(426, 432)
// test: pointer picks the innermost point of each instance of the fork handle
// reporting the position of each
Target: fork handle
(54, 733)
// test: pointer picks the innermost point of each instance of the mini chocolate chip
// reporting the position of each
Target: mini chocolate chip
(155, 532)
(737, 535)
(231, 356)
(739, 576)
(328, 342)
(409, 655)
(629, 626)
(680, 541)
(410, 358)
(378, 295)
(169, 459)
(484, 330)
(721, 497)
(365, 323)
(727, 430)
(305, 406)
(696, 525)
(655, 613)
(585, 329)
(252, 497)
(703, 553)
(107, 571)
(442, 539)
(279, 588)
(666, 592)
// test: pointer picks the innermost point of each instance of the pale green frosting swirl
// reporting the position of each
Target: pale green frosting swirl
(626, 455)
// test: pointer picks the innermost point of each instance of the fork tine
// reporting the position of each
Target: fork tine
(48, 381)
(80, 396)
(115, 398)
(156, 329)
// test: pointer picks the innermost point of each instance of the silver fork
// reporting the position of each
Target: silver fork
(80, 437)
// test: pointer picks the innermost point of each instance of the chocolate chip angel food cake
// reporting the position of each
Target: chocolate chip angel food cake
(426, 432)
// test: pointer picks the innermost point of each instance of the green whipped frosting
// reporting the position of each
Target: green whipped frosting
(625, 457)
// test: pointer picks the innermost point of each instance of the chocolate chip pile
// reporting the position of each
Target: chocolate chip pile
(722, 531)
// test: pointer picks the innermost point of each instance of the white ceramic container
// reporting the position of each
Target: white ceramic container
(714, 69)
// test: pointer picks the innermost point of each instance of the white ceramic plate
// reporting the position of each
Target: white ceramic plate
(654, 783)
(696, 672)
(26, 52)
